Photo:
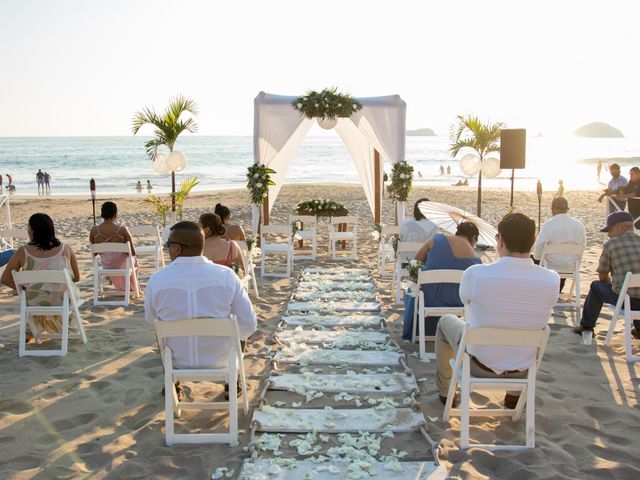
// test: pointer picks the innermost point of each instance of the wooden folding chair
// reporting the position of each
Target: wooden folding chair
(623, 309)
(202, 327)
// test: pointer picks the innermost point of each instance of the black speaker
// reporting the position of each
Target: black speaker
(513, 144)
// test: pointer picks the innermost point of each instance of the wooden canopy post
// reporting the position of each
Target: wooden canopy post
(377, 180)
(265, 210)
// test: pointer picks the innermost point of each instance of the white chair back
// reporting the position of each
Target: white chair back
(153, 250)
(276, 239)
(69, 306)
(8, 235)
(573, 253)
(127, 272)
(385, 249)
(248, 266)
(344, 229)
(623, 309)
(202, 327)
(309, 232)
(405, 252)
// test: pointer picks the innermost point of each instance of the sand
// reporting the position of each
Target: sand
(98, 411)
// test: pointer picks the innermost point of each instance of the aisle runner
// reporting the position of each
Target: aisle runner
(349, 362)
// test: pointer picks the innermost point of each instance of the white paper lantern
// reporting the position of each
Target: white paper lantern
(491, 167)
(327, 123)
(470, 164)
(176, 161)
(160, 163)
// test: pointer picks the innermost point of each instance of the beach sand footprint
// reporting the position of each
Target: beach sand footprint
(77, 421)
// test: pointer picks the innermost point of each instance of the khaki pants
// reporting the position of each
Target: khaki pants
(448, 336)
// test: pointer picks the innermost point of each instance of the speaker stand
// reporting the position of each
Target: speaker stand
(513, 173)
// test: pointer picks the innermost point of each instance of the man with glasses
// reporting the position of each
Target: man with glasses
(194, 287)
(620, 254)
(513, 292)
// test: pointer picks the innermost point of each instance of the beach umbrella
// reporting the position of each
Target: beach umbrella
(448, 217)
(92, 187)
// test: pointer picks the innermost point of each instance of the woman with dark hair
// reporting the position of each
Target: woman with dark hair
(418, 228)
(43, 252)
(111, 232)
(217, 248)
(232, 231)
(443, 252)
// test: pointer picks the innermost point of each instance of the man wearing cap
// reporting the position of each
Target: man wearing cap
(560, 228)
(620, 254)
(615, 186)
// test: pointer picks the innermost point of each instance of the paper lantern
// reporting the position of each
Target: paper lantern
(160, 163)
(327, 123)
(470, 164)
(491, 167)
(176, 161)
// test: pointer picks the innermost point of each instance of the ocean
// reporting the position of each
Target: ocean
(117, 163)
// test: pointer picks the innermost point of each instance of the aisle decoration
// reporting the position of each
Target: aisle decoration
(326, 106)
(319, 206)
(258, 182)
(401, 181)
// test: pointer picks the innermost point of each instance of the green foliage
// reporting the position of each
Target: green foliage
(401, 181)
(318, 206)
(258, 182)
(168, 125)
(183, 193)
(160, 205)
(329, 103)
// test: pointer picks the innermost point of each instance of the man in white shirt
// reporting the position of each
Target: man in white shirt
(560, 228)
(192, 287)
(510, 293)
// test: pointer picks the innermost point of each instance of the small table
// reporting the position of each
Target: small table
(342, 227)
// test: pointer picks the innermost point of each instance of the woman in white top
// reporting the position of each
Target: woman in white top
(418, 228)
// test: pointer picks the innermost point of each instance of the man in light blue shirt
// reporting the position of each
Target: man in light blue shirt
(615, 186)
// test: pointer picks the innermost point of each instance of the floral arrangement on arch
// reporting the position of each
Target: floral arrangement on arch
(329, 103)
(318, 205)
(258, 182)
(401, 181)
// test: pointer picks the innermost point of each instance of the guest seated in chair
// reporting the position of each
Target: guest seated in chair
(442, 252)
(510, 293)
(216, 247)
(232, 231)
(111, 232)
(43, 252)
(194, 287)
(418, 228)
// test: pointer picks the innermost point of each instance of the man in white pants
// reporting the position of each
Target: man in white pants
(510, 293)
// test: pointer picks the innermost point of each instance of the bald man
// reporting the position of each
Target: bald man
(194, 287)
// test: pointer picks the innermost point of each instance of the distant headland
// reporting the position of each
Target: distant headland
(421, 132)
(598, 130)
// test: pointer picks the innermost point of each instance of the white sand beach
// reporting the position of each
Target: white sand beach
(98, 412)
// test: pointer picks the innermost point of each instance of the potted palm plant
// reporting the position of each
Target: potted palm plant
(168, 127)
(483, 138)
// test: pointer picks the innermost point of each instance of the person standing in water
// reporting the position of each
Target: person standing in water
(47, 183)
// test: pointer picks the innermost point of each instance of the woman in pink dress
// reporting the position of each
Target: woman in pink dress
(217, 248)
(111, 232)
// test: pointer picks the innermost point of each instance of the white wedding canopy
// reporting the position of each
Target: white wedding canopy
(376, 131)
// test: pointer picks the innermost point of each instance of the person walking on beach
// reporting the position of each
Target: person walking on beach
(149, 186)
(47, 183)
(599, 169)
(620, 254)
(0, 182)
(139, 186)
(616, 184)
(10, 186)
(40, 182)
(510, 293)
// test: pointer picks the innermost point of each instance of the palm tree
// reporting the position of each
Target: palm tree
(483, 138)
(168, 128)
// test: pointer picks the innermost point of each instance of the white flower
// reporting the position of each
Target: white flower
(317, 201)
(404, 185)
(264, 194)
(355, 106)
(316, 105)
(256, 175)
(376, 235)
(299, 105)
(258, 185)
(339, 104)
(413, 263)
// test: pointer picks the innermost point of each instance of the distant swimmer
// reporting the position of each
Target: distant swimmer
(40, 181)
(47, 182)
(139, 186)
(149, 186)
(459, 184)
(448, 169)
(441, 169)
(465, 183)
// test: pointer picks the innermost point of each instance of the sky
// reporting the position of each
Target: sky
(83, 67)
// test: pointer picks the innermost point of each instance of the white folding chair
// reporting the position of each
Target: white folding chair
(349, 233)
(99, 272)
(405, 252)
(248, 267)
(623, 309)
(424, 310)
(570, 250)
(497, 337)
(153, 250)
(310, 232)
(201, 327)
(385, 249)
(281, 243)
(8, 235)
(68, 307)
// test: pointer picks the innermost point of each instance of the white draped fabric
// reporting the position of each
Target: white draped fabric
(279, 129)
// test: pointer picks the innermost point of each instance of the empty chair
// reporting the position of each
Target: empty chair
(309, 231)
(385, 249)
(623, 309)
(344, 229)
(248, 267)
(126, 271)
(569, 271)
(424, 310)
(405, 252)
(151, 250)
(202, 327)
(276, 240)
(27, 284)
(496, 337)
(11, 235)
